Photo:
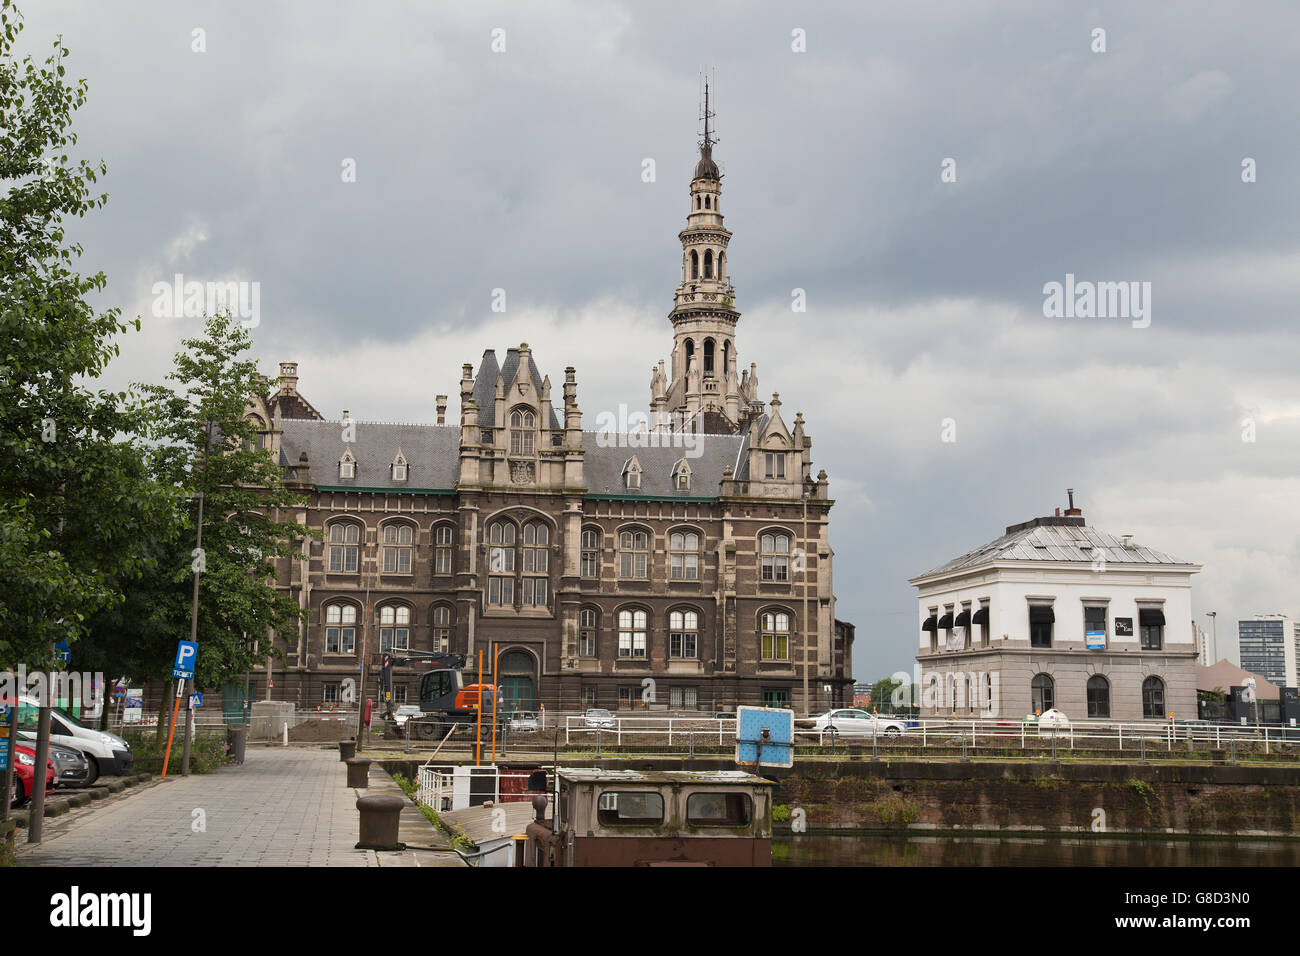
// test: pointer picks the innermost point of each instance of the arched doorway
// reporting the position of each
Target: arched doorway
(515, 680)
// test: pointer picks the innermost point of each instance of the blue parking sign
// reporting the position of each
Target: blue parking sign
(63, 653)
(186, 653)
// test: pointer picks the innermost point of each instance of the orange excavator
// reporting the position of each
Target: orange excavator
(446, 702)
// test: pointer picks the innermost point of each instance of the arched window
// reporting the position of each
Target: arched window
(347, 466)
(537, 537)
(1153, 697)
(345, 547)
(590, 553)
(444, 535)
(774, 557)
(726, 357)
(398, 545)
(634, 554)
(442, 620)
(683, 634)
(775, 640)
(399, 469)
(684, 547)
(587, 625)
(340, 629)
(697, 202)
(722, 264)
(1042, 691)
(695, 264)
(690, 353)
(394, 628)
(501, 564)
(632, 633)
(708, 356)
(1098, 696)
(708, 263)
(523, 425)
(706, 202)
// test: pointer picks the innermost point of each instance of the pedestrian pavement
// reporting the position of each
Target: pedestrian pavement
(281, 807)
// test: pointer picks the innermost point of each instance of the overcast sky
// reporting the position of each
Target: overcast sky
(522, 170)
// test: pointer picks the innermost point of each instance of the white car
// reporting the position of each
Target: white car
(524, 721)
(854, 723)
(108, 754)
(599, 717)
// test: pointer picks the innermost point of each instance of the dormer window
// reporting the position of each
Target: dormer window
(774, 464)
(632, 475)
(347, 466)
(682, 475)
(399, 467)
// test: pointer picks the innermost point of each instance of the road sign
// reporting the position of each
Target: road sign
(764, 737)
(196, 700)
(186, 653)
(63, 653)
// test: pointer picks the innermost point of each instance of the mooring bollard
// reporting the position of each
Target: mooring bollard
(381, 816)
(347, 750)
(359, 772)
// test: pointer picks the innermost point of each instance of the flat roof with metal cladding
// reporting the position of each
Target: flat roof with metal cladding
(600, 775)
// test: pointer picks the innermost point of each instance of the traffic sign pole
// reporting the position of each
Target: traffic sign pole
(189, 723)
(180, 689)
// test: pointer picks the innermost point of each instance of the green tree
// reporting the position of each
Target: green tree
(75, 499)
(209, 448)
(882, 694)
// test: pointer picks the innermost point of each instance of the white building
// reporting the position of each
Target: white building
(1055, 613)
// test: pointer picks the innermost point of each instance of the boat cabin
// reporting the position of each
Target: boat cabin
(652, 818)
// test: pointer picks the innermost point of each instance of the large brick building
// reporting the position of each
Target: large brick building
(694, 551)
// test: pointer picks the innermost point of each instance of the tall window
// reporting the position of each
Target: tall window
(1041, 618)
(587, 632)
(341, 629)
(537, 537)
(394, 627)
(501, 564)
(1094, 623)
(684, 549)
(588, 696)
(632, 634)
(442, 543)
(345, 546)
(683, 634)
(398, 539)
(442, 621)
(1098, 696)
(522, 434)
(775, 636)
(634, 554)
(1042, 693)
(590, 553)
(1153, 697)
(774, 464)
(1151, 623)
(774, 557)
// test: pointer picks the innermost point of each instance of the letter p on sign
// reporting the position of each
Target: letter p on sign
(186, 653)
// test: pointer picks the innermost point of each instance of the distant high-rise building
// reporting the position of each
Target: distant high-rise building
(1267, 644)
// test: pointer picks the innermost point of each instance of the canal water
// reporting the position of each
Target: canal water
(960, 850)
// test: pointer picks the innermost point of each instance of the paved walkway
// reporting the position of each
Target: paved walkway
(283, 807)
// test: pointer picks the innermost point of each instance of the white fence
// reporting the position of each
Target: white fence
(455, 788)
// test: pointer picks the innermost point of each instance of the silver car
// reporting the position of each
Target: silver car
(71, 768)
(599, 718)
(524, 721)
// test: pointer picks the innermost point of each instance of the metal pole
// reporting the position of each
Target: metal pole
(36, 810)
(478, 732)
(194, 631)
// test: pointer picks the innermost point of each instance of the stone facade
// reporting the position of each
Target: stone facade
(684, 567)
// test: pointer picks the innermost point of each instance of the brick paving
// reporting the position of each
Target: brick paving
(283, 807)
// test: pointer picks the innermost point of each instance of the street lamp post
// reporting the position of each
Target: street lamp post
(1214, 626)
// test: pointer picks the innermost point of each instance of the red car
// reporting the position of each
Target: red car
(25, 774)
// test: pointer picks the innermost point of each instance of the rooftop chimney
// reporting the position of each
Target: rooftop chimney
(442, 409)
(1072, 510)
(289, 378)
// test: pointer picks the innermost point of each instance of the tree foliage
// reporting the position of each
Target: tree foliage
(75, 499)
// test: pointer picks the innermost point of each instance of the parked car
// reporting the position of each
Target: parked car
(108, 753)
(25, 774)
(405, 712)
(71, 767)
(599, 717)
(524, 720)
(853, 722)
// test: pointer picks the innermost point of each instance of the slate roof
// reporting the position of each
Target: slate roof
(1056, 543)
(432, 453)
(485, 385)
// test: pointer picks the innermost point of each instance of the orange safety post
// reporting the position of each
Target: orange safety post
(172, 732)
(496, 652)
(478, 733)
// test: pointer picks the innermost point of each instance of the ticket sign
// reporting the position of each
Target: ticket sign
(183, 667)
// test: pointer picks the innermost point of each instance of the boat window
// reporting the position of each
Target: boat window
(719, 809)
(626, 808)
